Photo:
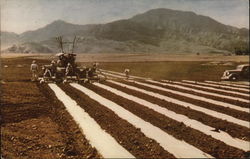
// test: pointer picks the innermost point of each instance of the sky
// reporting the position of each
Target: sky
(22, 15)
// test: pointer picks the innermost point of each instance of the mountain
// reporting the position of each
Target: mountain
(158, 30)
(52, 30)
(8, 38)
(29, 47)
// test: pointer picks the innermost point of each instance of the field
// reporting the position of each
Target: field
(170, 115)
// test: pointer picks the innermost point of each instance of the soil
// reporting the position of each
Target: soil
(226, 100)
(223, 88)
(228, 111)
(218, 92)
(214, 147)
(126, 134)
(232, 129)
(34, 124)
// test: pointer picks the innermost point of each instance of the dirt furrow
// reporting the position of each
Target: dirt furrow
(217, 91)
(232, 129)
(204, 142)
(240, 90)
(126, 134)
(224, 110)
(77, 146)
(214, 97)
(228, 84)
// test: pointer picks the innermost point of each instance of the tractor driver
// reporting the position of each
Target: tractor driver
(71, 59)
(62, 61)
(69, 70)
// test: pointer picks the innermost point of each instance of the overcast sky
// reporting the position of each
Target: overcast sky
(22, 15)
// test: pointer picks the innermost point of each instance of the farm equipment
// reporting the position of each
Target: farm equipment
(65, 69)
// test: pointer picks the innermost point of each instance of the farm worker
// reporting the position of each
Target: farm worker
(71, 59)
(62, 62)
(34, 70)
(126, 71)
(95, 64)
(47, 72)
(53, 67)
(69, 70)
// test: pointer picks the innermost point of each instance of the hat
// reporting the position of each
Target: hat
(59, 54)
(34, 61)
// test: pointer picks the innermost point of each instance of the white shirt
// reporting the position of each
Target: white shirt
(34, 67)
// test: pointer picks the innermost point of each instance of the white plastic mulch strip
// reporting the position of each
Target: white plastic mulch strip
(222, 136)
(113, 75)
(210, 88)
(188, 105)
(121, 74)
(223, 104)
(178, 148)
(219, 86)
(106, 145)
(228, 84)
(245, 83)
(187, 87)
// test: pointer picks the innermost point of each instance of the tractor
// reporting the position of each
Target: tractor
(65, 69)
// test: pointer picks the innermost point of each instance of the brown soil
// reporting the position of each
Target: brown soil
(227, 89)
(126, 134)
(231, 101)
(228, 111)
(232, 129)
(239, 85)
(196, 138)
(33, 125)
(218, 92)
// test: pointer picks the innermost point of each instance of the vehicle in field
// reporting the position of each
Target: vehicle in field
(65, 69)
(240, 73)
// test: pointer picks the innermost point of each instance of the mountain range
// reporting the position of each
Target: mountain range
(155, 31)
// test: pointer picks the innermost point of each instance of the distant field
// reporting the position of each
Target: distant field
(107, 57)
(172, 70)
(157, 66)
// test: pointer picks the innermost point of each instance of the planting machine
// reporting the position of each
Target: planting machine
(65, 69)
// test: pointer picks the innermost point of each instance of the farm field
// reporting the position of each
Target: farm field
(160, 112)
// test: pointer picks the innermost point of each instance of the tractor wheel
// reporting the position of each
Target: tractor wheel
(102, 77)
(234, 78)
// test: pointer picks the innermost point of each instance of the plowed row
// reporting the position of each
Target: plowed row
(140, 144)
(141, 121)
